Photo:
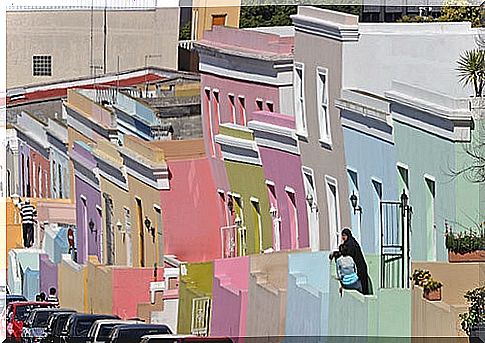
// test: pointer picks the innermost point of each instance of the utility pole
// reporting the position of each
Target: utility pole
(146, 70)
(105, 34)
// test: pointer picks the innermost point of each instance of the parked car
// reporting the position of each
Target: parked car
(78, 325)
(36, 323)
(15, 297)
(99, 332)
(17, 313)
(134, 332)
(183, 339)
(55, 324)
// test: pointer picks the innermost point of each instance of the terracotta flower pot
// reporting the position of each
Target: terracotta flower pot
(432, 295)
(475, 256)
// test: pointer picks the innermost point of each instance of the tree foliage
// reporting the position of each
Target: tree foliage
(471, 70)
(279, 15)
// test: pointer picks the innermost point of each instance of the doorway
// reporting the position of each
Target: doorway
(312, 208)
(141, 232)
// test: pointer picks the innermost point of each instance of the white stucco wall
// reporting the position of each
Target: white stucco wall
(420, 54)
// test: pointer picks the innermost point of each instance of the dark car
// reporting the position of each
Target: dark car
(184, 339)
(133, 333)
(35, 325)
(56, 323)
(78, 325)
(14, 297)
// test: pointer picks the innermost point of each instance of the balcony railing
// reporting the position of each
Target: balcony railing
(186, 44)
(233, 240)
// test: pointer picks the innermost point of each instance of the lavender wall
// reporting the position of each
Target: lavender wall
(92, 198)
(47, 273)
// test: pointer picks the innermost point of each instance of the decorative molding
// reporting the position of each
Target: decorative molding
(242, 145)
(286, 133)
(327, 29)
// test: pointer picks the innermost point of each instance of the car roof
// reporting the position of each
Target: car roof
(184, 336)
(26, 303)
(110, 321)
(100, 316)
(142, 326)
(46, 310)
(15, 296)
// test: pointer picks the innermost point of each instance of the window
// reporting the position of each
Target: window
(242, 110)
(34, 180)
(299, 95)
(293, 213)
(430, 217)
(273, 202)
(270, 106)
(355, 214)
(42, 65)
(322, 99)
(259, 104)
(200, 316)
(219, 19)
(232, 108)
(39, 176)
(59, 174)
(128, 236)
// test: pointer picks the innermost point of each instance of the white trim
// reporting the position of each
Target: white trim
(329, 180)
(352, 125)
(83, 197)
(289, 189)
(376, 179)
(402, 165)
(323, 117)
(86, 180)
(114, 181)
(99, 208)
(276, 130)
(430, 177)
(253, 199)
(270, 183)
(241, 144)
(324, 28)
(157, 207)
(220, 191)
(300, 113)
(282, 78)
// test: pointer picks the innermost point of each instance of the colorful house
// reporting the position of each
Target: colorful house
(278, 146)
(191, 204)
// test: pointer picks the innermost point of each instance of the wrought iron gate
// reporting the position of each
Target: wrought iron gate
(395, 247)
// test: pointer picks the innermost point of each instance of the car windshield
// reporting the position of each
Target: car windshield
(40, 320)
(61, 321)
(22, 313)
(83, 326)
(136, 334)
(104, 331)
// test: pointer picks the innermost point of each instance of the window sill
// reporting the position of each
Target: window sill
(302, 135)
(325, 144)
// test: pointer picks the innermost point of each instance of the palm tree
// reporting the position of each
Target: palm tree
(471, 70)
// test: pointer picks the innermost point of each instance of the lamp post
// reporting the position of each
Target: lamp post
(354, 201)
(146, 71)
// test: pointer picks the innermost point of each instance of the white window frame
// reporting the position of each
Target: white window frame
(258, 102)
(200, 326)
(207, 91)
(323, 107)
(299, 99)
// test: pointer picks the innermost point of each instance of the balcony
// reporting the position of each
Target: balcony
(186, 44)
(233, 240)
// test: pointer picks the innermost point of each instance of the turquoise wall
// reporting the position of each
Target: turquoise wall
(427, 154)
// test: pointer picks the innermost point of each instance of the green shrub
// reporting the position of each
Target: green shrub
(466, 241)
(476, 310)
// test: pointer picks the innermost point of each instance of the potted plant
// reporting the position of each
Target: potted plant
(475, 316)
(466, 246)
(420, 277)
(432, 290)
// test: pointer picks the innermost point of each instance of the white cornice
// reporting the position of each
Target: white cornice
(350, 124)
(239, 143)
(327, 29)
(258, 126)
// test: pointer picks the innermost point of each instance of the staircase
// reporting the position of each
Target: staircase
(262, 279)
(226, 283)
(302, 282)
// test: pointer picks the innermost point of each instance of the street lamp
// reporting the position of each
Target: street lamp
(311, 203)
(354, 202)
(91, 226)
(238, 220)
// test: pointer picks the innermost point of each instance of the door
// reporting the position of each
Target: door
(201, 308)
(273, 205)
(257, 223)
(160, 237)
(355, 216)
(141, 233)
(293, 216)
(85, 228)
(430, 219)
(312, 209)
(333, 212)
(128, 238)
(376, 209)
(110, 237)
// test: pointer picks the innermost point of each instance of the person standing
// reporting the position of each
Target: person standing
(353, 250)
(52, 295)
(28, 214)
(42, 297)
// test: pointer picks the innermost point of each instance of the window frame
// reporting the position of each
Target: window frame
(299, 99)
(324, 126)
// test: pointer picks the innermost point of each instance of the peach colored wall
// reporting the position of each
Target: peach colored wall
(190, 212)
(457, 278)
(130, 288)
(72, 285)
(99, 299)
(435, 319)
